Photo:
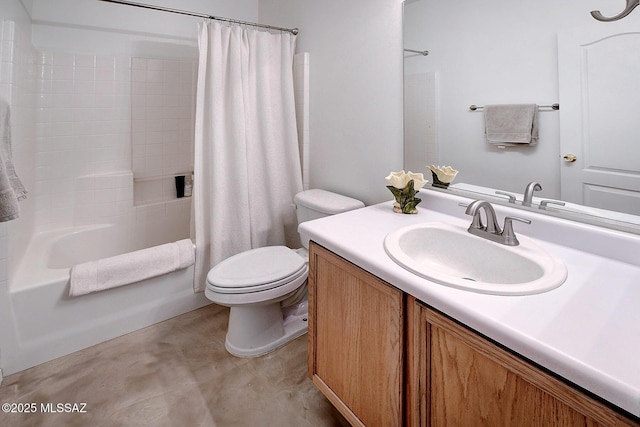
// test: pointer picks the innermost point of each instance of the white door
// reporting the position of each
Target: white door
(599, 77)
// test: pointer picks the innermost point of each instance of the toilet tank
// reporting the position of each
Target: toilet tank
(316, 203)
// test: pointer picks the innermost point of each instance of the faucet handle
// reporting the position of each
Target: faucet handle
(512, 198)
(509, 237)
(544, 203)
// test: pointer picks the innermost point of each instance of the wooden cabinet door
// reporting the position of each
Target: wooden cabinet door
(355, 340)
(473, 382)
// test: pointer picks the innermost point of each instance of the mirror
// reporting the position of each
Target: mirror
(543, 52)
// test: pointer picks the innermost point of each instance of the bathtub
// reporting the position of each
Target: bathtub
(48, 323)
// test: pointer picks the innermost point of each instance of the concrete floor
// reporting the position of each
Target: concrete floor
(174, 373)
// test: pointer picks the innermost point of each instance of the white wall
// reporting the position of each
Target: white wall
(496, 52)
(356, 89)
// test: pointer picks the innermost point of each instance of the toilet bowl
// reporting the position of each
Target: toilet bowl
(265, 288)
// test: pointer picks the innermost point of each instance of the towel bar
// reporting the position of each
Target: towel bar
(554, 107)
(421, 52)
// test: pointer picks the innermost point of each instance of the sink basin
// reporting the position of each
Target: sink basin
(451, 256)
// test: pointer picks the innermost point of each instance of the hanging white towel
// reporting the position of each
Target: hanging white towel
(510, 125)
(131, 267)
(11, 188)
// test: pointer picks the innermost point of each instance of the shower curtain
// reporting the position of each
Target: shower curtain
(247, 163)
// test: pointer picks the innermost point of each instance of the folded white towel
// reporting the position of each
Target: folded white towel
(11, 188)
(511, 124)
(131, 267)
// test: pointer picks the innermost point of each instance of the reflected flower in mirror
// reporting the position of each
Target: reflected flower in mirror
(442, 175)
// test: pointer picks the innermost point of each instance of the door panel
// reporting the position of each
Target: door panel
(599, 69)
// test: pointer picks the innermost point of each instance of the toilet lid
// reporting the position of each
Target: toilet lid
(257, 269)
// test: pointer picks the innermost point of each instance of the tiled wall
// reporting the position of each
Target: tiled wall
(104, 122)
(72, 126)
(83, 129)
(163, 102)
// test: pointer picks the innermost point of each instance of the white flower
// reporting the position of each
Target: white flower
(400, 179)
(397, 179)
(418, 180)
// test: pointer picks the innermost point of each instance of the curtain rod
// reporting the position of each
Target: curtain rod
(293, 31)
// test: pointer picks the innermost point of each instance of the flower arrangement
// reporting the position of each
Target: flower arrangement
(405, 186)
(442, 175)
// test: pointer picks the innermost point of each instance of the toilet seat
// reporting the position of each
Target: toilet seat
(265, 288)
(257, 270)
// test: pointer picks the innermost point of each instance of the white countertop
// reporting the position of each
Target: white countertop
(587, 330)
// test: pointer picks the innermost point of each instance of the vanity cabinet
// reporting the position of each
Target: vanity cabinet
(464, 379)
(356, 342)
(385, 359)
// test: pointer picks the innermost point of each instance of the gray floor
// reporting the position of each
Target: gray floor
(175, 373)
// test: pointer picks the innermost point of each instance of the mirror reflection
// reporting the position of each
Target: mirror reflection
(586, 160)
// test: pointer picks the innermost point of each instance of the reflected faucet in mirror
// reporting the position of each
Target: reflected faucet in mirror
(528, 192)
(512, 198)
(543, 204)
(527, 198)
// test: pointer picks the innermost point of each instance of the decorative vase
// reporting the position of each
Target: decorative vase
(442, 175)
(406, 200)
(437, 183)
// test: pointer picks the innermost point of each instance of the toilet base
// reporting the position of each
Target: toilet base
(259, 329)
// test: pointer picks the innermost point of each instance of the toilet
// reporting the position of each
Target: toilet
(266, 288)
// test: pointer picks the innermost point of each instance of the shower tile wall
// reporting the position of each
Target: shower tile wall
(110, 138)
(71, 130)
(163, 100)
(83, 140)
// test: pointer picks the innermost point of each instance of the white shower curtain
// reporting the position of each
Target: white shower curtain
(247, 164)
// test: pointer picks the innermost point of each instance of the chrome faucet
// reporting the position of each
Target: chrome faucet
(492, 230)
(528, 192)
(492, 226)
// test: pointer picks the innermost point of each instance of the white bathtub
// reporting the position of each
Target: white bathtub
(49, 324)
